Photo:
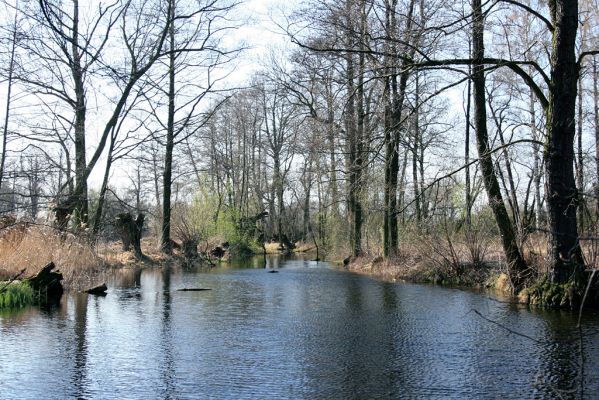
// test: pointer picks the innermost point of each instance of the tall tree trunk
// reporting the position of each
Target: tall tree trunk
(467, 147)
(562, 197)
(80, 196)
(596, 115)
(401, 188)
(511, 191)
(392, 156)
(579, 163)
(415, 155)
(424, 202)
(537, 173)
(166, 242)
(516, 263)
(11, 67)
(307, 227)
(351, 128)
(279, 189)
(359, 163)
(390, 195)
(332, 150)
(102, 197)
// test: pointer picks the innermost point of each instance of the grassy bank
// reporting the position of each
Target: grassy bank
(415, 269)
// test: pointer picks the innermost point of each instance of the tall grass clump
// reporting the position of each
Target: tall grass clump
(16, 295)
(33, 246)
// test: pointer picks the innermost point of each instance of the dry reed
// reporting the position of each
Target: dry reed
(32, 246)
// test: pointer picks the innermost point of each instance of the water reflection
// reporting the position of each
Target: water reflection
(78, 381)
(167, 364)
(306, 332)
(560, 371)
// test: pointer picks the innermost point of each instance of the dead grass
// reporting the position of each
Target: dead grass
(33, 246)
(300, 247)
(436, 260)
(82, 262)
(113, 255)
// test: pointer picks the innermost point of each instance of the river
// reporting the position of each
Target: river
(306, 332)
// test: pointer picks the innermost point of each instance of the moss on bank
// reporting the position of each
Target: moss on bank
(551, 295)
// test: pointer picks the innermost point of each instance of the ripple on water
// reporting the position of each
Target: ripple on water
(306, 332)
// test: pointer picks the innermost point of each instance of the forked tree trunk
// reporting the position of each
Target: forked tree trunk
(130, 231)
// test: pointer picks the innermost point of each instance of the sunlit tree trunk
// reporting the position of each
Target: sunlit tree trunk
(167, 180)
(81, 203)
(516, 264)
(9, 83)
(579, 161)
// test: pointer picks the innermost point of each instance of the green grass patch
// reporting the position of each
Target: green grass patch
(16, 295)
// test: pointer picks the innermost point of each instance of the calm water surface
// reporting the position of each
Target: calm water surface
(307, 332)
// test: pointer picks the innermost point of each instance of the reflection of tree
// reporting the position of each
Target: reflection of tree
(167, 366)
(79, 370)
(560, 347)
(561, 363)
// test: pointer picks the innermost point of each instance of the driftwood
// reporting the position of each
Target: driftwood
(192, 290)
(46, 284)
(97, 290)
(273, 271)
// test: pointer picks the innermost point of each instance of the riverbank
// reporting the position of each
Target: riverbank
(487, 275)
(414, 270)
(83, 262)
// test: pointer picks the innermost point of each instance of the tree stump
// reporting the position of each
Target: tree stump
(190, 249)
(217, 252)
(46, 284)
(130, 231)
